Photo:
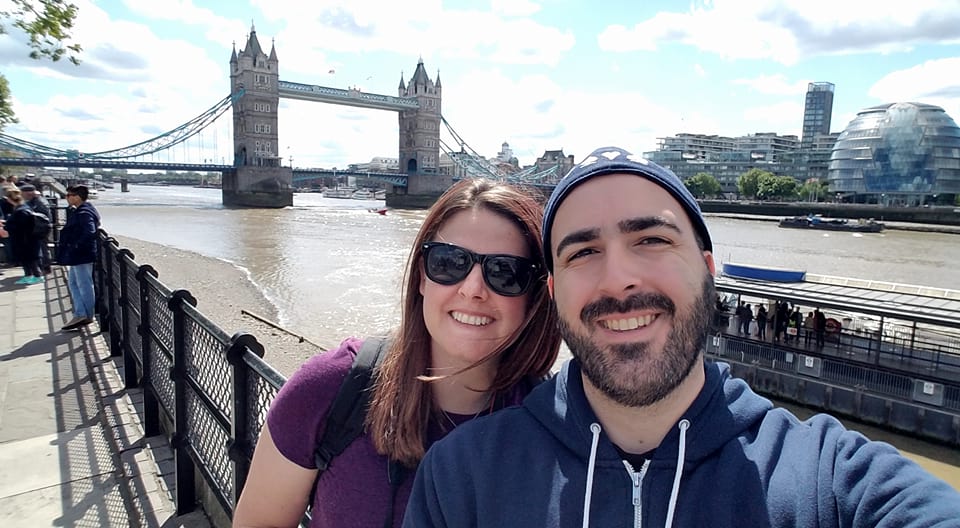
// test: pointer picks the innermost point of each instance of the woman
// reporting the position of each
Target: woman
(476, 328)
(26, 246)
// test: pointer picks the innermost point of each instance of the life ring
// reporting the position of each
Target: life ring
(833, 326)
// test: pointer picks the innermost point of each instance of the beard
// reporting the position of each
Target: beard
(663, 371)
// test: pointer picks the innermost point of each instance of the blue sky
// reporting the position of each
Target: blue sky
(551, 74)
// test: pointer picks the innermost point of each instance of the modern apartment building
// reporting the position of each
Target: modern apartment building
(817, 112)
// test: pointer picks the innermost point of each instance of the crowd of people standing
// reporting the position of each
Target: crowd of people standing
(26, 227)
(787, 322)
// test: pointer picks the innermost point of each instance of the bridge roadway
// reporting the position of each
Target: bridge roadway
(72, 449)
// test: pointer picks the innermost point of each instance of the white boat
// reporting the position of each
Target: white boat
(339, 192)
(380, 195)
(363, 194)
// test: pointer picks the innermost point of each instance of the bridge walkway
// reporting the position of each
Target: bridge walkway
(72, 449)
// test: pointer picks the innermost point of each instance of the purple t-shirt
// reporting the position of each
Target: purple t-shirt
(353, 491)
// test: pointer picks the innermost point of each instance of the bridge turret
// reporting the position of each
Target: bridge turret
(420, 134)
(402, 88)
(259, 179)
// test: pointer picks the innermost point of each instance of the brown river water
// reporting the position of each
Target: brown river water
(333, 268)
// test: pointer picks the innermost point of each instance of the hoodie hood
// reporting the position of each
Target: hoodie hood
(724, 408)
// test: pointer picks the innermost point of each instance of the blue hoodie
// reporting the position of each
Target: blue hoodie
(742, 463)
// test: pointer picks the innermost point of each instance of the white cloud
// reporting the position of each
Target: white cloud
(776, 84)
(782, 118)
(515, 8)
(932, 82)
(698, 69)
(788, 30)
(420, 28)
(535, 114)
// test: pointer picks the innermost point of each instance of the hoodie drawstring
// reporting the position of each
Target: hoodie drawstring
(588, 493)
(683, 425)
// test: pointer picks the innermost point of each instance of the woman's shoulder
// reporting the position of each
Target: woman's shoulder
(328, 367)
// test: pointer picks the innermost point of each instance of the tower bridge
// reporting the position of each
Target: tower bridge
(253, 173)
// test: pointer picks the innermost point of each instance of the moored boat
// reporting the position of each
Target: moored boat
(832, 224)
(744, 271)
(339, 192)
(362, 194)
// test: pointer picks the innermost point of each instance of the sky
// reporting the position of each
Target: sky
(541, 75)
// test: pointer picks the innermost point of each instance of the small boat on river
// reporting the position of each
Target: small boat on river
(764, 273)
(832, 224)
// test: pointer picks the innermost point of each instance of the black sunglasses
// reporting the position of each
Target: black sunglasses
(507, 275)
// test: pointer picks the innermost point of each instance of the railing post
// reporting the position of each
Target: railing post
(186, 488)
(104, 285)
(123, 340)
(151, 408)
(242, 400)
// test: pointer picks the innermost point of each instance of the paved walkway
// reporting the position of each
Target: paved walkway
(72, 450)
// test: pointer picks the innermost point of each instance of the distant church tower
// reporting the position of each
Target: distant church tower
(420, 134)
(259, 180)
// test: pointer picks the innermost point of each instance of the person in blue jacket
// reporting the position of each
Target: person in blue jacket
(78, 251)
(637, 429)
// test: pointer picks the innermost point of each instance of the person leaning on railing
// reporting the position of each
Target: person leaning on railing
(477, 331)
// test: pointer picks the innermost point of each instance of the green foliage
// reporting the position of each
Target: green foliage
(47, 23)
(703, 185)
(815, 190)
(6, 109)
(749, 182)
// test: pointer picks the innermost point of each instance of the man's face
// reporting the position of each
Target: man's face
(28, 195)
(633, 290)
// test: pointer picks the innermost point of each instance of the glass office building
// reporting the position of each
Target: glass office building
(817, 112)
(899, 153)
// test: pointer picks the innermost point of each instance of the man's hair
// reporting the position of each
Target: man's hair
(80, 190)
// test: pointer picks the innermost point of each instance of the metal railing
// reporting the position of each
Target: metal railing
(208, 392)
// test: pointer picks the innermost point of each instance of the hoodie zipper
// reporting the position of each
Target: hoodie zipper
(637, 478)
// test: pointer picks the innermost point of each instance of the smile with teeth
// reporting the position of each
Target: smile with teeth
(630, 323)
(473, 320)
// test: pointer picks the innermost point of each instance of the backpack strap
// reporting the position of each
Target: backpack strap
(349, 408)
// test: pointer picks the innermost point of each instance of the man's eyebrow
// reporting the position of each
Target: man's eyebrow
(641, 223)
(583, 235)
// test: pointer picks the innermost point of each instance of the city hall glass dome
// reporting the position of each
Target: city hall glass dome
(904, 152)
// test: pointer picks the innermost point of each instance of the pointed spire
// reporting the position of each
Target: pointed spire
(402, 87)
(420, 76)
(273, 50)
(438, 78)
(233, 56)
(253, 48)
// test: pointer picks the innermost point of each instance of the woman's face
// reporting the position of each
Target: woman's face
(467, 320)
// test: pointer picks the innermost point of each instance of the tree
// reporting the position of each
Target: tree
(749, 182)
(815, 190)
(703, 185)
(6, 109)
(48, 24)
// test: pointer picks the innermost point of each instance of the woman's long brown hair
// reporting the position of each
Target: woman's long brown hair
(402, 405)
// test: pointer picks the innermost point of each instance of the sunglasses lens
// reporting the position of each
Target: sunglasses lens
(506, 275)
(447, 264)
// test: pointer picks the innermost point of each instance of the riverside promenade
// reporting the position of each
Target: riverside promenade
(72, 449)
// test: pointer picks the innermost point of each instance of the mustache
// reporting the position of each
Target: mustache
(637, 301)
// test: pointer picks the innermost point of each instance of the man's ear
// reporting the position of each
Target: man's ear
(708, 259)
(550, 284)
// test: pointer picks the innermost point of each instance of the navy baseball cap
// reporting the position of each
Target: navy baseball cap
(610, 160)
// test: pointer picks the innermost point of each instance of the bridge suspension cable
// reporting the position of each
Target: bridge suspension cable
(159, 143)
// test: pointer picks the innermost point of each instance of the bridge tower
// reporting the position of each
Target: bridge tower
(258, 179)
(420, 141)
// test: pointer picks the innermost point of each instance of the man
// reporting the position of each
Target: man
(638, 429)
(78, 250)
(38, 204)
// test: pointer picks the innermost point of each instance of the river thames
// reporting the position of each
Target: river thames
(333, 269)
